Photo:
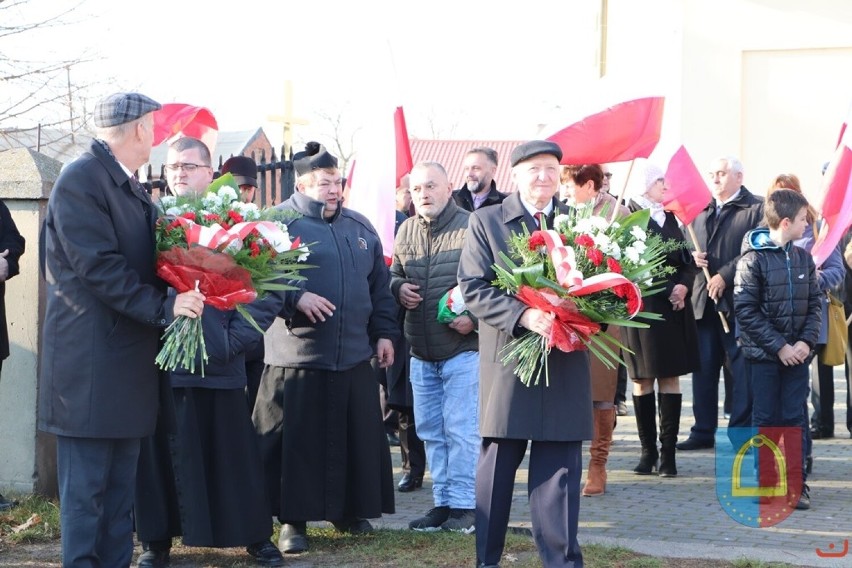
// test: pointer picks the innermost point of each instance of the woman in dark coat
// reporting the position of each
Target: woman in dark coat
(667, 349)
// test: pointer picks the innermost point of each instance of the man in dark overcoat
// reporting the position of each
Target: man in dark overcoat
(719, 230)
(105, 311)
(556, 418)
(11, 248)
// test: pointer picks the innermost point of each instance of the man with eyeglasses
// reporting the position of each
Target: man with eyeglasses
(317, 410)
(188, 168)
(182, 489)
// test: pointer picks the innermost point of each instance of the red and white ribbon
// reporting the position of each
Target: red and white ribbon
(569, 277)
(217, 237)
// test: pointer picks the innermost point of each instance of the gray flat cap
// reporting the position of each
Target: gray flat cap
(529, 149)
(119, 108)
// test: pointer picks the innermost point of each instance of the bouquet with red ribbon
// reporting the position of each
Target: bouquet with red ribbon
(588, 273)
(232, 252)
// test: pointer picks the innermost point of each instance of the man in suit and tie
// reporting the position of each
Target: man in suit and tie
(556, 418)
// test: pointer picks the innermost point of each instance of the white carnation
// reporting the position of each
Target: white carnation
(227, 193)
(174, 211)
(638, 233)
(167, 201)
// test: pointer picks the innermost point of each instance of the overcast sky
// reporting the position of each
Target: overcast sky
(469, 68)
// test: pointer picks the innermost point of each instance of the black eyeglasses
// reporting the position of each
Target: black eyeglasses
(607, 175)
(188, 168)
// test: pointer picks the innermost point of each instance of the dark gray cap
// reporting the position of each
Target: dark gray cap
(533, 148)
(243, 168)
(119, 108)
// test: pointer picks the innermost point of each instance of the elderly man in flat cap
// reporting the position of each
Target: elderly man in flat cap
(105, 313)
(317, 410)
(556, 418)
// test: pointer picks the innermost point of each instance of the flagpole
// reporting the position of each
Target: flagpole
(615, 209)
(707, 276)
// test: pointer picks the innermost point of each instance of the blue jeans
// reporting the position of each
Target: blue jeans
(781, 393)
(446, 404)
(717, 348)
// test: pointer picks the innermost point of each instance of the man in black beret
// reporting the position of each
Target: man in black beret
(556, 418)
(317, 409)
(106, 310)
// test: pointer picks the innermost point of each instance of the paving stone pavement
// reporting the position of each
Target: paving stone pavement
(681, 517)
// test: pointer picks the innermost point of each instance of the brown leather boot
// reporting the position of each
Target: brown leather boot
(599, 450)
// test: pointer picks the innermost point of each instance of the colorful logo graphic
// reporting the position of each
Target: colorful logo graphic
(759, 473)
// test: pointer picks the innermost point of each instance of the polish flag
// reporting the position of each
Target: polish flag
(176, 120)
(384, 158)
(687, 193)
(834, 197)
(622, 132)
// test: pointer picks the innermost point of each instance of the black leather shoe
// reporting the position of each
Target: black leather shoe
(693, 444)
(293, 538)
(410, 483)
(153, 559)
(265, 553)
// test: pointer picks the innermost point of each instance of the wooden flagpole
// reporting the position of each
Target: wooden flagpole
(707, 276)
(614, 212)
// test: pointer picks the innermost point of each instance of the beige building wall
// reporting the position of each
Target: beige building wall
(767, 80)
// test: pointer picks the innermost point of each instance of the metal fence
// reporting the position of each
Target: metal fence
(276, 179)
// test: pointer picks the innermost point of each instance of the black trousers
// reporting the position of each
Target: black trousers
(553, 488)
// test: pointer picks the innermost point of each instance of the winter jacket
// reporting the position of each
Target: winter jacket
(776, 297)
(464, 198)
(426, 253)
(723, 243)
(351, 273)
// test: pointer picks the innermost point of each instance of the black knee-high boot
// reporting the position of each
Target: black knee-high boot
(644, 407)
(670, 405)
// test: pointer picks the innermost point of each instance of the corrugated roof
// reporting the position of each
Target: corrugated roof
(450, 154)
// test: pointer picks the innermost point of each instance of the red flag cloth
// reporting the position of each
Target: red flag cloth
(176, 120)
(687, 193)
(836, 207)
(620, 133)
(385, 158)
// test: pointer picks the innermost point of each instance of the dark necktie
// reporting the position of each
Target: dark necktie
(538, 215)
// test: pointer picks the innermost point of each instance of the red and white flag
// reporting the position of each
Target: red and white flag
(176, 120)
(384, 157)
(622, 132)
(687, 193)
(834, 200)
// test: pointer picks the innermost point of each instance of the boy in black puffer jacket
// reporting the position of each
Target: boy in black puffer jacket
(777, 305)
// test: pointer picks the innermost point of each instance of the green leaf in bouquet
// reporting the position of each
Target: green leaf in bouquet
(221, 181)
(638, 218)
(249, 318)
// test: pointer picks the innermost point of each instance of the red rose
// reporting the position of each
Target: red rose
(255, 248)
(584, 240)
(595, 255)
(172, 226)
(613, 265)
(189, 215)
(235, 217)
(212, 217)
(536, 241)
